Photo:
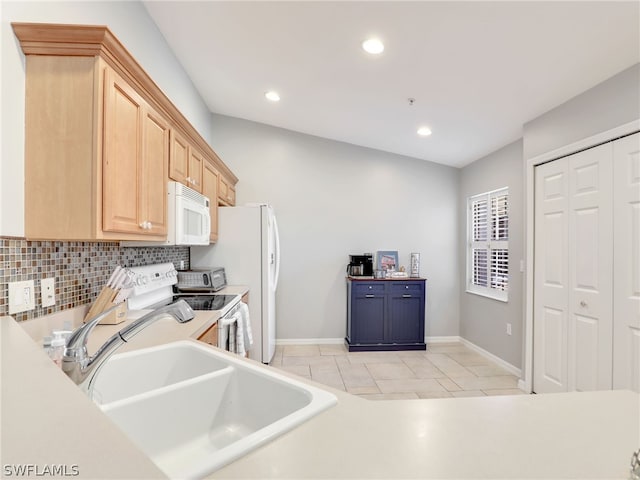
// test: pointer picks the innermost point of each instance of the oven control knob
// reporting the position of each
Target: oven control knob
(140, 281)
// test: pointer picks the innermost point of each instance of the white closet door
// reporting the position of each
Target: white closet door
(573, 325)
(626, 361)
(551, 279)
(590, 335)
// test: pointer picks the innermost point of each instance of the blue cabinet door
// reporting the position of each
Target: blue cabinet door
(406, 312)
(368, 318)
(406, 318)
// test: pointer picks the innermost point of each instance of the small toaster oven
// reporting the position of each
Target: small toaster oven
(209, 279)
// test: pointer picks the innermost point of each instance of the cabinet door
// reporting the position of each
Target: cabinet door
(194, 180)
(121, 159)
(179, 158)
(405, 318)
(210, 336)
(368, 317)
(153, 172)
(210, 190)
(223, 190)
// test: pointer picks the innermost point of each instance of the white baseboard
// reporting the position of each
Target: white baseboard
(309, 341)
(523, 386)
(502, 363)
(451, 339)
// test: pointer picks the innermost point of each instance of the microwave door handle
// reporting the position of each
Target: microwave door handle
(207, 228)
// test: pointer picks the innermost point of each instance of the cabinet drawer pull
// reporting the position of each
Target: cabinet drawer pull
(370, 296)
(406, 296)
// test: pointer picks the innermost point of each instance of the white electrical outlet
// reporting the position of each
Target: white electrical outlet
(508, 329)
(48, 291)
(22, 296)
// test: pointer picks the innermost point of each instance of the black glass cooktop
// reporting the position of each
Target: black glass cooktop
(204, 301)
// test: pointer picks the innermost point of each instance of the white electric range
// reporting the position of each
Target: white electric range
(154, 287)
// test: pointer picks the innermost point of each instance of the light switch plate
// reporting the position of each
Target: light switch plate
(48, 291)
(22, 296)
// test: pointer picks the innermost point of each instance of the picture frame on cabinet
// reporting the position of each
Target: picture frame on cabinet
(387, 260)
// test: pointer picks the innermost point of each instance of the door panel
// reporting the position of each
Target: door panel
(369, 312)
(123, 117)
(553, 326)
(153, 177)
(551, 277)
(587, 356)
(573, 326)
(633, 362)
(590, 346)
(179, 158)
(626, 362)
(404, 319)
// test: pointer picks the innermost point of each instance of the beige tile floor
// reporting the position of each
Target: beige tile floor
(443, 370)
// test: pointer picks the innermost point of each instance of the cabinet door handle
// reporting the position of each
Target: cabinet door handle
(370, 296)
(406, 296)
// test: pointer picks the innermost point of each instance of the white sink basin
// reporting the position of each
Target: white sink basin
(191, 423)
(140, 371)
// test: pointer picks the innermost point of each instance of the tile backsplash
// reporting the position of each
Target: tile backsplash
(80, 268)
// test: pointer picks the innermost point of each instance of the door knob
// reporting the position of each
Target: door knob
(583, 304)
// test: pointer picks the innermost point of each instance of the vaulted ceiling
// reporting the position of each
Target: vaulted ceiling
(477, 70)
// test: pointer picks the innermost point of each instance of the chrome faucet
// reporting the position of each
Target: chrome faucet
(82, 368)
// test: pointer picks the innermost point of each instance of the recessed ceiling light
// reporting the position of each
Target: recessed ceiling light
(373, 46)
(272, 96)
(424, 131)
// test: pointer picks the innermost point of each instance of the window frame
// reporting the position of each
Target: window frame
(491, 246)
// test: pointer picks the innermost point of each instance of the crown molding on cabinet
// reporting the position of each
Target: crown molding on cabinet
(98, 40)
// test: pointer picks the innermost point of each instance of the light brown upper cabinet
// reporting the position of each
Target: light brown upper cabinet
(100, 137)
(185, 164)
(93, 148)
(136, 153)
(210, 190)
(195, 169)
(226, 192)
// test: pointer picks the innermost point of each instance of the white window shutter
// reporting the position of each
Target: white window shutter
(488, 254)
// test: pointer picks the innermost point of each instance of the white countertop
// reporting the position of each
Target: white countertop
(47, 420)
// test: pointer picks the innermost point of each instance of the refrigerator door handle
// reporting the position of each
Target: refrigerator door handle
(277, 252)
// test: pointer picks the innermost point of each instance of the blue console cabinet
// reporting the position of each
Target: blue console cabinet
(385, 314)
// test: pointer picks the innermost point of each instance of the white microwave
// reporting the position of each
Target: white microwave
(188, 218)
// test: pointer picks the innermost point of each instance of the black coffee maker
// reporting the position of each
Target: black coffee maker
(360, 265)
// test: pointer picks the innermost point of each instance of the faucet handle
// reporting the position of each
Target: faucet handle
(77, 342)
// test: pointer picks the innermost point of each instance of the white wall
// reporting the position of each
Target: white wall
(612, 103)
(132, 25)
(483, 320)
(608, 105)
(333, 199)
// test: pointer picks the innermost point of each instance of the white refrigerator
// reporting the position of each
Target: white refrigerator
(248, 248)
